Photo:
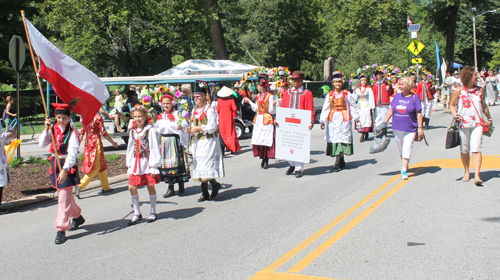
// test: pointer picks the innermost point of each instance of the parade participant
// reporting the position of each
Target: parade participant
(143, 159)
(227, 111)
(338, 111)
(297, 97)
(491, 88)
(93, 155)
(365, 106)
(7, 115)
(426, 92)
(471, 109)
(173, 141)
(4, 164)
(394, 84)
(406, 120)
(263, 138)
(207, 154)
(382, 93)
(66, 142)
(445, 92)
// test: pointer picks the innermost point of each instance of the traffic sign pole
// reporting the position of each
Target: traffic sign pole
(17, 57)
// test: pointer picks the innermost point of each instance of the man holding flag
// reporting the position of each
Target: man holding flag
(84, 93)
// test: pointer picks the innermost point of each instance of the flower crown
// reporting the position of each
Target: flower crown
(139, 107)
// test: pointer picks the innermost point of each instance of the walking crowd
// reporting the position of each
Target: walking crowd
(161, 143)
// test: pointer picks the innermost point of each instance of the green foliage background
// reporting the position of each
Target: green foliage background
(146, 37)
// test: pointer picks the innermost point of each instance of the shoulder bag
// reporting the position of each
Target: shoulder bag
(452, 135)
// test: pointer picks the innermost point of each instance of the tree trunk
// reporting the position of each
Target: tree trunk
(216, 32)
(450, 36)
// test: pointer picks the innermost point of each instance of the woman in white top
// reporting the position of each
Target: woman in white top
(491, 88)
(207, 154)
(471, 110)
(365, 104)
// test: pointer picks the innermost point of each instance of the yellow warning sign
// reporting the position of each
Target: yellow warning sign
(416, 60)
(416, 47)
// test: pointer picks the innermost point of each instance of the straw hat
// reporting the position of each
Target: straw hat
(224, 92)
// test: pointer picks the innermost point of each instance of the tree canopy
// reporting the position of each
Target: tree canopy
(146, 37)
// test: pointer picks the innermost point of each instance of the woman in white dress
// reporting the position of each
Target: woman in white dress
(263, 124)
(365, 105)
(207, 154)
(338, 111)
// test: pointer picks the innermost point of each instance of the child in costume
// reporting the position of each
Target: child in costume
(207, 154)
(143, 159)
(173, 140)
(66, 142)
(4, 164)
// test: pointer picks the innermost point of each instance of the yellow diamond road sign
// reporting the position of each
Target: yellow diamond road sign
(416, 60)
(416, 47)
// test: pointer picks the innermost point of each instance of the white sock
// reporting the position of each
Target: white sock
(403, 169)
(152, 201)
(135, 204)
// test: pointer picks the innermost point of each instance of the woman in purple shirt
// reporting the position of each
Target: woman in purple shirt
(406, 113)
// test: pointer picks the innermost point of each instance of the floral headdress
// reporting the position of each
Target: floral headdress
(139, 108)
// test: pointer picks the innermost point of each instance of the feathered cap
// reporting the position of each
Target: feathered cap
(263, 80)
(61, 108)
(337, 76)
(200, 88)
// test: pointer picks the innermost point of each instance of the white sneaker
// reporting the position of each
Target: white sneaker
(404, 176)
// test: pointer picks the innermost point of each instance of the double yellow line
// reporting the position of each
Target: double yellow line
(303, 263)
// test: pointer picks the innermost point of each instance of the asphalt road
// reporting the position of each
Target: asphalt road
(361, 223)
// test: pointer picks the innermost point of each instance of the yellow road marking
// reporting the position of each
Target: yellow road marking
(489, 162)
(323, 247)
(281, 261)
(272, 275)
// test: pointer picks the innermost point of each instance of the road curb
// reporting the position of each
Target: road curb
(16, 204)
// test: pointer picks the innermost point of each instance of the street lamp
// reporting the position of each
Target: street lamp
(474, 25)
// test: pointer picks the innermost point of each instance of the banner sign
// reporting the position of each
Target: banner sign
(293, 137)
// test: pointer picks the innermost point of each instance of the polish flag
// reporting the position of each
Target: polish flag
(68, 77)
(408, 21)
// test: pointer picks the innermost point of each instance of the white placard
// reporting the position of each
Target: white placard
(293, 137)
(414, 35)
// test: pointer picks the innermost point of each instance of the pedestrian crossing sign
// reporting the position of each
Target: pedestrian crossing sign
(416, 60)
(416, 47)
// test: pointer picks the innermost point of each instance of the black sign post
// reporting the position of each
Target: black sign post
(17, 55)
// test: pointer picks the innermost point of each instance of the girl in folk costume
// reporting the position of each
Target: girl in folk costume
(173, 140)
(207, 154)
(93, 155)
(338, 111)
(263, 128)
(143, 159)
(227, 111)
(66, 142)
(365, 105)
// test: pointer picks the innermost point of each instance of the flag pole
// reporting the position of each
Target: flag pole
(41, 92)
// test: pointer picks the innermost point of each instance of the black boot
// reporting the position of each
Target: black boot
(61, 237)
(266, 163)
(77, 222)
(262, 163)
(366, 135)
(181, 188)
(336, 166)
(170, 192)
(204, 192)
(426, 123)
(215, 188)
(362, 139)
(342, 162)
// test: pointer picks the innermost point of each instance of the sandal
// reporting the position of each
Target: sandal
(135, 219)
(151, 218)
(478, 182)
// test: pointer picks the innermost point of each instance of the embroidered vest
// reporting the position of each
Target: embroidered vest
(338, 105)
(62, 139)
(141, 145)
(263, 109)
(203, 120)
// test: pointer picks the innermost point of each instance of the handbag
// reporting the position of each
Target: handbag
(487, 129)
(452, 135)
(420, 139)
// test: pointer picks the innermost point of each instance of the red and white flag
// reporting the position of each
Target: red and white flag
(68, 77)
(408, 21)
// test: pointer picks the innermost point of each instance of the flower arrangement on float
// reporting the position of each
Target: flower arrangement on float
(280, 76)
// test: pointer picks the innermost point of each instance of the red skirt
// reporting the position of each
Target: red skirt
(143, 180)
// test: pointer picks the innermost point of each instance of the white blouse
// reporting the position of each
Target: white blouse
(73, 145)
(167, 126)
(146, 165)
